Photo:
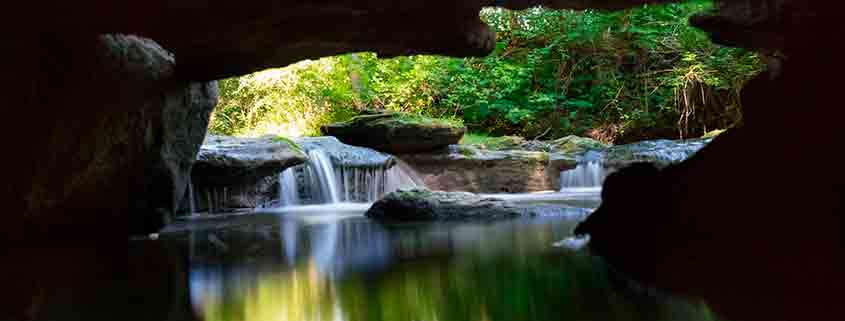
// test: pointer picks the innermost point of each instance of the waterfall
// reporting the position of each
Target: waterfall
(320, 181)
(288, 192)
(585, 177)
(321, 165)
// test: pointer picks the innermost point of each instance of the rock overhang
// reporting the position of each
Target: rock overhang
(214, 39)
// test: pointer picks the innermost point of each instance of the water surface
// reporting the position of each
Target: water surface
(314, 263)
(331, 263)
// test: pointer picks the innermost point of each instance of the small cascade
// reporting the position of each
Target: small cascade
(322, 181)
(321, 166)
(288, 192)
(586, 176)
(594, 166)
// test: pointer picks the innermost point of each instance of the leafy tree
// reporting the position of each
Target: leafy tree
(616, 76)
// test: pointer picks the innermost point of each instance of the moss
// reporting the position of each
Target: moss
(410, 195)
(293, 145)
(405, 119)
(575, 144)
(492, 143)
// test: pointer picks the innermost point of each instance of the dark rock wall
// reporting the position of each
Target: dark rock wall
(98, 128)
(753, 222)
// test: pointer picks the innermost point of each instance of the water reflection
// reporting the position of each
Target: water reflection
(343, 267)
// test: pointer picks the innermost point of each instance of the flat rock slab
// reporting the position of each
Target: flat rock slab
(226, 160)
(421, 205)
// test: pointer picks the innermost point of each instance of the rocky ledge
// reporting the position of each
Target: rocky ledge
(229, 160)
(504, 165)
(397, 133)
(467, 168)
(239, 173)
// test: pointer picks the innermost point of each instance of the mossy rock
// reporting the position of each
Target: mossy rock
(225, 161)
(499, 143)
(575, 145)
(397, 133)
(419, 205)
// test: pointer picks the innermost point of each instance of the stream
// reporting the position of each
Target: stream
(328, 262)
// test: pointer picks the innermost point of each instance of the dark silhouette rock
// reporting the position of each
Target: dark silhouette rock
(743, 224)
(118, 135)
(219, 40)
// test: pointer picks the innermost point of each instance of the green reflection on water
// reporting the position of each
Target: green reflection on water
(552, 286)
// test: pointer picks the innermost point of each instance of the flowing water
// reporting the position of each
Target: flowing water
(585, 177)
(327, 180)
(594, 166)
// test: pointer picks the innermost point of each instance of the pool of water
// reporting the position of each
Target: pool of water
(331, 263)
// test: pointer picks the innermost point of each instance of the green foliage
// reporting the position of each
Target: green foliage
(641, 73)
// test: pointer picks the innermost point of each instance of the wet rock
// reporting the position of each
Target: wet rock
(467, 168)
(224, 161)
(347, 155)
(397, 133)
(660, 152)
(424, 205)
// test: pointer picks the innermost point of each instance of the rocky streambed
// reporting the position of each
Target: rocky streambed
(272, 172)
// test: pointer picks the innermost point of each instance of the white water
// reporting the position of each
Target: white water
(320, 182)
(320, 164)
(586, 177)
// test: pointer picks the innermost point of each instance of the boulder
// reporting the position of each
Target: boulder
(425, 205)
(239, 173)
(397, 133)
(224, 161)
